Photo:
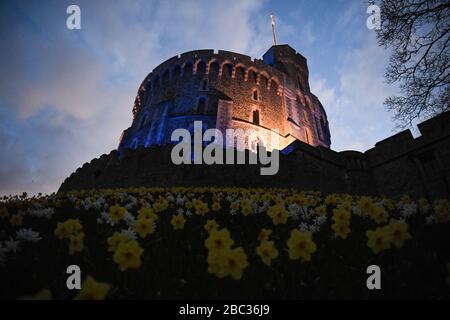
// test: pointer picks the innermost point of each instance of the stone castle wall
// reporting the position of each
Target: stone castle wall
(397, 165)
(229, 90)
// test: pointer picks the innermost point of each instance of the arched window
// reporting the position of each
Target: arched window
(252, 76)
(263, 81)
(201, 69)
(166, 77)
(201, 106)
(227, 70)
(255, 95)
(240, 73)
(176, 73)
(214, 70)
(274, 86)
(255, 117)
(187, 72)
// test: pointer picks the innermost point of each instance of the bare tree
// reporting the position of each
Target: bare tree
(418, 32)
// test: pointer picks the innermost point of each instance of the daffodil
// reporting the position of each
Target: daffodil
(128, 255)
(147, 213)
(116, 213)
(378, 240)
(178, 221)
(278, 214)
(144, 227)
(246, 208)
(340, 215)
(321, 210)
(442, 210)
(219, 240)
(76, 243)
(216, 206)
(93, 290)
(264, 234)
(68, 228)
(116, 239)
(366, 205)
(301, 245)
(211, 225)
(341, 229)
(379, 214)
(231, 262)
(201, 208)
(267, 251)
(398, 231)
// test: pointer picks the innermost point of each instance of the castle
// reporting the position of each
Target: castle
(227, 90)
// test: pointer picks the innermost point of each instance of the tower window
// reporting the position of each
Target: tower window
(255, 95)
(256, 117)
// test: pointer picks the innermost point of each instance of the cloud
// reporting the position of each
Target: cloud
(355, 105)
(67, 95)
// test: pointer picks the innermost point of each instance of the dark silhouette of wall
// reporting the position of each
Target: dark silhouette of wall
(397, 165)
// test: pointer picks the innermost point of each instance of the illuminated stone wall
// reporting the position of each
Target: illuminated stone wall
(229, 90)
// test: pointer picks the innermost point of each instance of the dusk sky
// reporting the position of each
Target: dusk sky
(66, 95)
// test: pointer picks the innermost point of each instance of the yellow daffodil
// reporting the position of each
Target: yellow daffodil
(340, 215)
(321, 210)
(116, 239)
(211, 225)
(201, 208)
(116, 213)
(398, 232)
(160, 205)
(76, 243)
(216, 206)
(147, 213)
(144, 227)
(68, 228)
(93, 290)
(264, 234)
(378, 240)
(267, 251)
(301, 245)
(442, 210)
(219, 240)
(128, 255)
(379, 214)
(178, 221)
(278, 214)
(341, 229)
(231, 262)
(246, 208)
(365, 205)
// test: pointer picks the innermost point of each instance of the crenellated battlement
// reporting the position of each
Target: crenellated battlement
(229, 90)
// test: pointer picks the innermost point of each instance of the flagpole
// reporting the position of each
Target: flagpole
(273, 29)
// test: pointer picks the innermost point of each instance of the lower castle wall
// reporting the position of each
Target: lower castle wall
(395, 166)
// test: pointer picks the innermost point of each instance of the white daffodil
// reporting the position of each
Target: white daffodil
(28, 235)
(129, 233)
(11, 245)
